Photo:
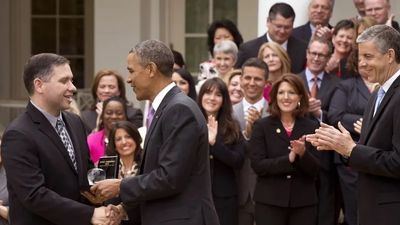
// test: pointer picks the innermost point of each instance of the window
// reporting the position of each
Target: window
(199, 14)
(57, 26)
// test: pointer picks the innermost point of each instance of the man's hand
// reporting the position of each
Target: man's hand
(96, 200)
(314, 107)
(252, 116)
(329, 138)
(106, 188)
(109, 215)
(323, 32)
(358, 125)
(298, 146)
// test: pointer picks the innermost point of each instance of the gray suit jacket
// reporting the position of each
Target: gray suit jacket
(247, 177)
(173, 185)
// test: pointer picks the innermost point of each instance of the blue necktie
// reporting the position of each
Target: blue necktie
(379, 98)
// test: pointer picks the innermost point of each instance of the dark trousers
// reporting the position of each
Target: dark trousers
(274, 215)
(227, 210)
(328, 205)
(348, 186)
(246, 213)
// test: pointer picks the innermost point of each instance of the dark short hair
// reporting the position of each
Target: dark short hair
(41, 66)
(227, 24)
(130, 128)
(107, 72)
(189, 78)
(178, 58)
(106, 102)
(257, 63)
(153, 51)
(343, 25)
(298, 85)
(283, 9)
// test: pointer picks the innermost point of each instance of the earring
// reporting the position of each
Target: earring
(298, 104)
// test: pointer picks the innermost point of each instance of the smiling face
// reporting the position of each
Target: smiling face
(287, 98)
(224, 62)
(113, 112)
(320, 12)
(212, 101)
(107, 88)
(253, 83)
(272, 59)
(139, 78)
(377, 9)
(375, 65)
(235, 92)
(317, 57)
(125, 145)
(180, 82)
(344, 40)
(57, 92)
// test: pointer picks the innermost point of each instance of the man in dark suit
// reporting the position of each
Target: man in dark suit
(280, 26)
(173, 185)
(251, 108)
(377, 155)
(319, 14)
(321, 87)
(45, 152)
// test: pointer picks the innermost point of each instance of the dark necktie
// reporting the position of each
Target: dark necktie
(62, 132)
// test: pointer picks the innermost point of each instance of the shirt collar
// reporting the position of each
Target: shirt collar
(259, 105)
(160, 96)
(283, 45)
(52, 119)
(389, 82)
(310, 75)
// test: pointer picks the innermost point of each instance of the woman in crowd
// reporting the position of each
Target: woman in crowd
(106, 84)
(114, 109)
(226, 148)
(278, 62)
(234, 89)
(347, 106)
(287, 167)
(221, 30)
(3, 193)
(124, 141)
(225, 56)
(184, 80)
(343, 37)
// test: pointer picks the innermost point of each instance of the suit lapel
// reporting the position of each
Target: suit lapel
(279, 129)
(372, 120)
(46, 128)
(304, 78)
(155, 120)
(240, 115)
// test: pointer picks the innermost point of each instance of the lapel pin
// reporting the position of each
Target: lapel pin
(278, 130)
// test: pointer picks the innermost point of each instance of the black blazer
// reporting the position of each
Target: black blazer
(44, 187)
(173, 185)
(348, 104)
(296, 50)
(377, 159)
(224, 161)
(281, 183)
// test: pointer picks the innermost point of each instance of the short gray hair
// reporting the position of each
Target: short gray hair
(226, 47)
(384, 37)
(156, 52)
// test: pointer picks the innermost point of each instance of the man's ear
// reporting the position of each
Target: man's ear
(392, 55)
(38, 85)
(152, 67)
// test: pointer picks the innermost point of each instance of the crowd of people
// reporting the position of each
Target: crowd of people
(297, 126)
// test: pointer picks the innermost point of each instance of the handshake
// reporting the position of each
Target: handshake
(100, 192)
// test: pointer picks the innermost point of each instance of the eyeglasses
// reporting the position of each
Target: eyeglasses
(317, 55)
(282, 27)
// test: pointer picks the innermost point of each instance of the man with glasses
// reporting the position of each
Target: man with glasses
(321, 86)
(319, 14)
(280, 26)
(380, 11)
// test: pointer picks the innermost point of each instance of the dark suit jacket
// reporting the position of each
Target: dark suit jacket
(304, 32)
(377, 159)
(89, 117)
(281, 183)
(296, 50)
(348, 104)
(173, 186)
(44, 187)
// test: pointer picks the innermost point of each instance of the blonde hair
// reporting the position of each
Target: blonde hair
(281, 52)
